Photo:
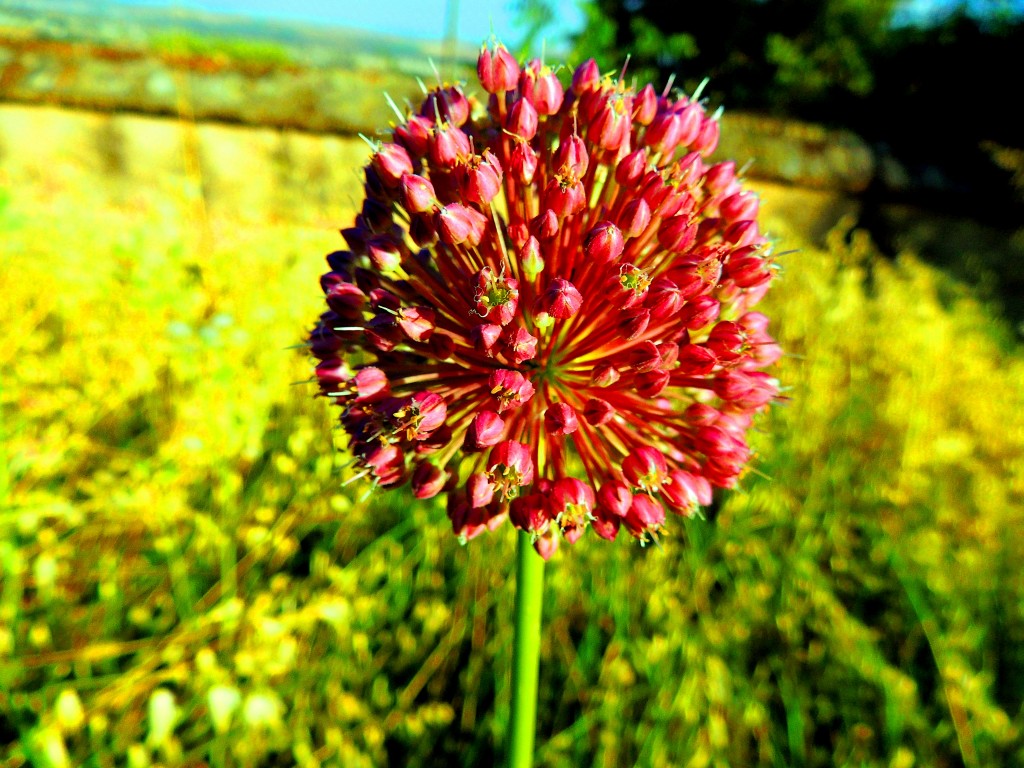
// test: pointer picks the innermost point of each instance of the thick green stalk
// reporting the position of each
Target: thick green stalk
(525, 653)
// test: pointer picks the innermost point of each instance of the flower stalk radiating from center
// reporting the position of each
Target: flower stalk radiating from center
(545, 307)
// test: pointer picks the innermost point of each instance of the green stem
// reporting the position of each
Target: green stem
(525, 653)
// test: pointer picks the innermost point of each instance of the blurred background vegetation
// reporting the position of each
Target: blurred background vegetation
(186, 581)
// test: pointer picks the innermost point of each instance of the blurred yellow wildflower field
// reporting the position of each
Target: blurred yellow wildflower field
(186, 581)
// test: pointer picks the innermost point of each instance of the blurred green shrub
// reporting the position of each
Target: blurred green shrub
(187, 581)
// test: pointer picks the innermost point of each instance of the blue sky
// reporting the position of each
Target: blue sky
(424, 19)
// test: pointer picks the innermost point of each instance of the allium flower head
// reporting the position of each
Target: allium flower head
(545, 310)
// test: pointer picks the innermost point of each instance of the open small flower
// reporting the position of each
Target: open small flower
(546, 307)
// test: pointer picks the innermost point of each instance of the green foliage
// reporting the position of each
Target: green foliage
(178, 42)
(185, 578)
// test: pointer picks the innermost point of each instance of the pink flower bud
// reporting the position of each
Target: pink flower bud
(696, 360)
(486, 429)
(510, 467)
(447, 145)
(610, 126)
(481, 179)
(522, 120)
(385, 254)
(457, 224)
(571, 504)
(560, 419)
(371, 385)
(604, 375)
(427, 481)
(545, 226)
(485, 337)
(414, 135)
(739, 207)
(385, 462)
(700, 312)
(586, 77)
(706, 140)
(685, 491)
(479, 490)
(651, 383)
(664, 298)
(720, 178)
(529, 513)
(571, 157)
(346, 299)
(391, 162)
(634, 323)
(418, 194)
(541, 86)
(530, 258)
(417, 323)
(677, 234)
(446, 104)
(615, 498)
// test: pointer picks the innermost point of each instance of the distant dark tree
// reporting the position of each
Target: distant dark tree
(768, 54)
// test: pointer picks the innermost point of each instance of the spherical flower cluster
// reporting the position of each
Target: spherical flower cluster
(545, 307)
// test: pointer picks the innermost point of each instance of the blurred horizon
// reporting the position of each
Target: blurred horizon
(473, 22)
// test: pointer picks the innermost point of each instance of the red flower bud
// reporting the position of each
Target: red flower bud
(497, 296)
(645, 105)
(598, 411)
(565, 196)
(651, 383)
(696, 360)
(523, 164)
(561, 300)
(497, 69)
(645, 515)
(700, 312)
(635, 218)
(520, 345)
(604, 242)
(510, 388)
(481, 179)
